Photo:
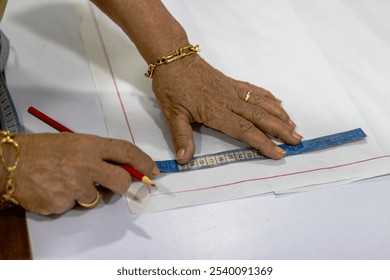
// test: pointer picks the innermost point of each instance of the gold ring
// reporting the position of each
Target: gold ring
(248, 94)
(92, 204)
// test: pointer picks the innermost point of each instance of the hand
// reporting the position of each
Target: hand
(190, 90)
(57, 169)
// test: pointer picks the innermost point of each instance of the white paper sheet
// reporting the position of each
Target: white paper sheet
(273, 44)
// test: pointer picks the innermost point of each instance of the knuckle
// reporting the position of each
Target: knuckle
(259, 114)
(281, 114)
(179, 136)
(245, 126)
(266, 93)
(258, 99)
(126, 148)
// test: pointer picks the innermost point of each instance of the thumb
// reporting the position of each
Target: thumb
(182, 138)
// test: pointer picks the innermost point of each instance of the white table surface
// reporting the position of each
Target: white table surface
(48, 69)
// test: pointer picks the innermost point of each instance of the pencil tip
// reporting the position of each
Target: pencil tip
(147, 181)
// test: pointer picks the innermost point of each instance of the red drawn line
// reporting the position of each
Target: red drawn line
(272, 177)
(93, 14)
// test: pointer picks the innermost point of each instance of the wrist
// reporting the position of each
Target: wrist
(178, 67)
(164, 45)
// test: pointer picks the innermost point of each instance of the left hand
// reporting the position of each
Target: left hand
(57, 169)
(190, 90)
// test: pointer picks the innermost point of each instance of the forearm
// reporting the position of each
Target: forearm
(151, 27)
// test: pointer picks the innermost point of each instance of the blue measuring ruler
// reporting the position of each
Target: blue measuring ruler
(8, 116)
(247, 154)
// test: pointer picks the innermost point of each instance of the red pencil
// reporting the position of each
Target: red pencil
(56, 125)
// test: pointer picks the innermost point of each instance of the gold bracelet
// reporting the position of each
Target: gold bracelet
(179, 53)
(7, 199)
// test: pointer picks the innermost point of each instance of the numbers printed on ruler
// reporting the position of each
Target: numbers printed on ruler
(218, 159)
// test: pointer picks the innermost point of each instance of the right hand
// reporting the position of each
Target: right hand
(191, 90)
(57, 169)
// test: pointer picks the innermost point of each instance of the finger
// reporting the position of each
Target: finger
(242, 129)
(88, 195)
(267, 104)
(244, 87)
(267, 94)
(267, 122)
(113, 177)
(263, 98)
(182, 138)
(120, 151)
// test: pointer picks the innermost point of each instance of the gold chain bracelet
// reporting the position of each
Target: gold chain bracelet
(7, 199)
(179, 53)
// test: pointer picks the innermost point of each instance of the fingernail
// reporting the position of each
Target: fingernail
(296, 136)
(155, 171)
(180, 154)
(279, 150)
